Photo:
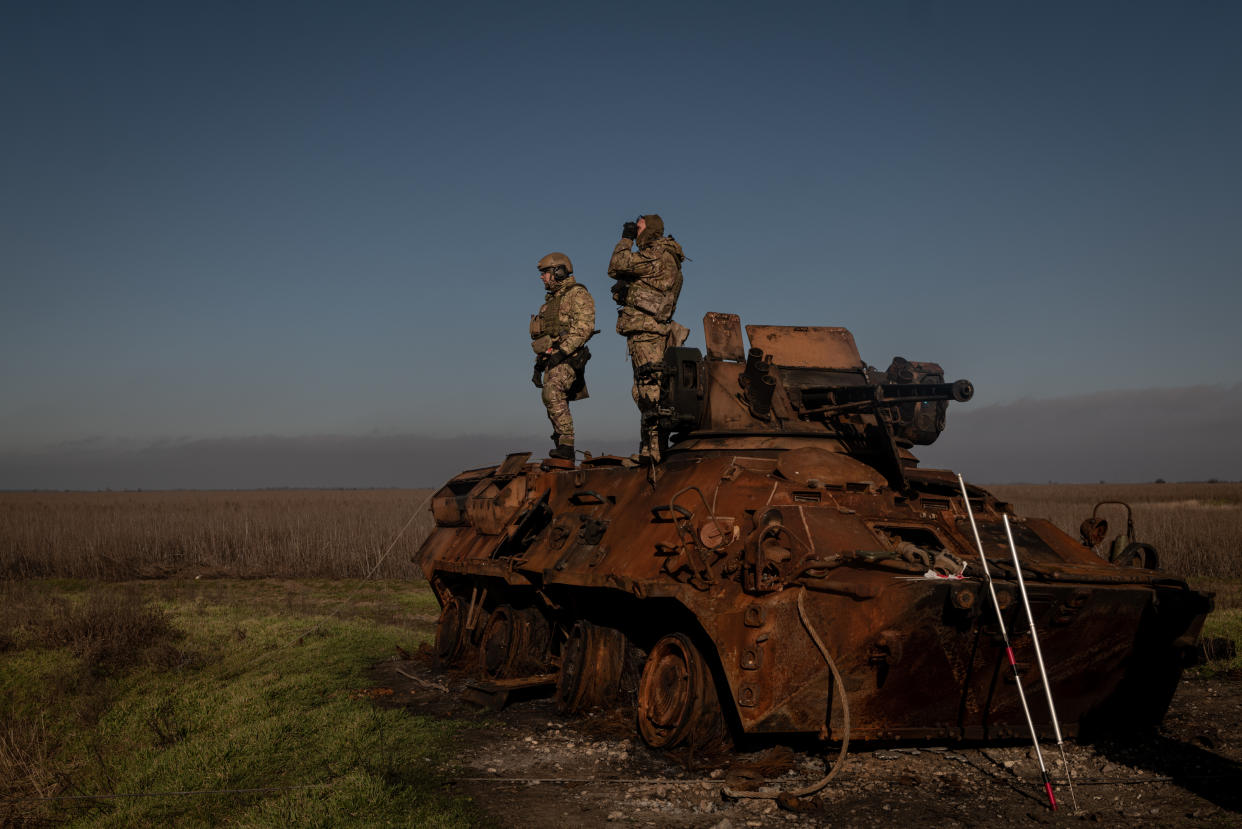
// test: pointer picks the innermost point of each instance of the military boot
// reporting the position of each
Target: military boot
(565, 451)
(649, 452)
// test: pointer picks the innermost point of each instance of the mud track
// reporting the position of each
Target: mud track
(527, 766)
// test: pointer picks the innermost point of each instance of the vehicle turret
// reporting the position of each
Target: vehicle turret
(800, 383)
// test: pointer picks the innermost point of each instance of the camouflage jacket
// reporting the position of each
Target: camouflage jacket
(566, 319)
(648, 284)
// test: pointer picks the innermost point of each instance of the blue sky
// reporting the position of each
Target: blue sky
(233, 220)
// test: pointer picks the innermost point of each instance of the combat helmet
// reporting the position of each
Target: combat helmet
(556, 260)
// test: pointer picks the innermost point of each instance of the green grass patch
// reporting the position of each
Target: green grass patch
(1226, 625)
(1228, 592)
(1223, 623)
(194, 685)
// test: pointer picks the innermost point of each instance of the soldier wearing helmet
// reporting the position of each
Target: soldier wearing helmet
(648, 284)
(558, 335)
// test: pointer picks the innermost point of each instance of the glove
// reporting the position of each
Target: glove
(629, 230)
(537, 377)
(619, 292)
(554, 359)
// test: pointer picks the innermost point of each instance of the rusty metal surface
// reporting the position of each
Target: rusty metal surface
(593, 664)
(494, 693)
(806, 346)
(677, 703)
(695, 566)
(722, 334)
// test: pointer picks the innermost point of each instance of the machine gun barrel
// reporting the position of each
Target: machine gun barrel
(833, 399)
(961, 391)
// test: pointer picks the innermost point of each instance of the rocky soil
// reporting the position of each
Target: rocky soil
(528, 766)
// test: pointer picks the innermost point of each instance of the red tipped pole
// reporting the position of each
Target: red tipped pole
(987, 574)
(1039, 659)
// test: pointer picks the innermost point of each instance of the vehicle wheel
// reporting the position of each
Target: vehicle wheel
(592, 666)
(677, 702)
(451, 633)
(535, 640)
(514, 643)
(1138, 554)
(497, 646)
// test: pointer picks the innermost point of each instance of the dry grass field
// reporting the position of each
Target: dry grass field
(280, 533)
(1195, 527)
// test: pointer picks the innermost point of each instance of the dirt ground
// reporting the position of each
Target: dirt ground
(528, 766)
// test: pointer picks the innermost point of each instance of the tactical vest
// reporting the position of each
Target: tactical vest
(550, 314)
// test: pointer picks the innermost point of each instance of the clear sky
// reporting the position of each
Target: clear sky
(226, 221)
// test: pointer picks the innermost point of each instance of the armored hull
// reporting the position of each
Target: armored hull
(788, 532)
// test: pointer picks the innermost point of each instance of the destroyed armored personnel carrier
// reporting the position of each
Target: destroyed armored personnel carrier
(789, 535)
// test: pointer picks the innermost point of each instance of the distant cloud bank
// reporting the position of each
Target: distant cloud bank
(1191, 433)
(261, 462)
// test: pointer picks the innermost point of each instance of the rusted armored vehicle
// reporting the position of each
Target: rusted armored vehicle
(788, 537)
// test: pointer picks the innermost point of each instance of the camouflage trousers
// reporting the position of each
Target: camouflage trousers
(647, 350)
(557, 382)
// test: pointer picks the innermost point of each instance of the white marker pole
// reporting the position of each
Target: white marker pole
(1039, 659)
(1013, 663)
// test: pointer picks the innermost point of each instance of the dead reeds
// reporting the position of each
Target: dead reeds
(1195, 527)
(280, 533)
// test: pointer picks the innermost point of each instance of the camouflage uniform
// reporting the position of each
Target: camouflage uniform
(648, 285)
(565, 322)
